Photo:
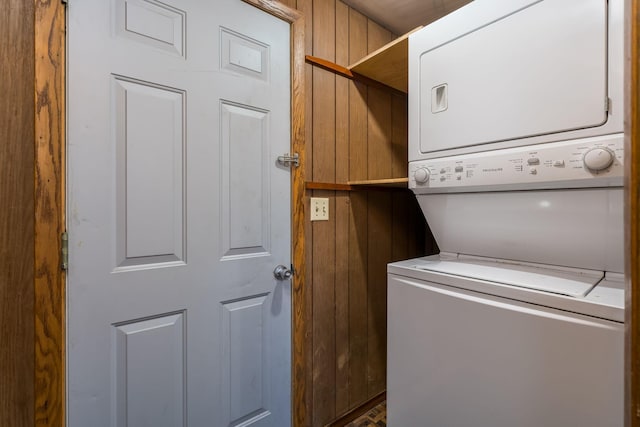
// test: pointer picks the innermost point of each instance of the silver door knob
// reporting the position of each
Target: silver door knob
(281, 272)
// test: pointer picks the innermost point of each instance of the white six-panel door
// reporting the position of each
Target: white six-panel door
(178, 213)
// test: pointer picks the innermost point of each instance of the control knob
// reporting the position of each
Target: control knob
(421, 175)
(598, 159)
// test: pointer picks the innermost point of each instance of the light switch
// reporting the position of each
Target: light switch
(319, 209)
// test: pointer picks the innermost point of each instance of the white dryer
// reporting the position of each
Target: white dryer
(516, 159)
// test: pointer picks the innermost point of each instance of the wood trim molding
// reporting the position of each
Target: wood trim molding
(49, 279)
(360, 410)
(632, 214)
(301, 349)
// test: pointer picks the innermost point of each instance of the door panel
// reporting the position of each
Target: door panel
(149, 189)
(178, 213)
(150, 371)
(245, 359)
(245, 180)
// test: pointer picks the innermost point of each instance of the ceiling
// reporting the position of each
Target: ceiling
(401, 16)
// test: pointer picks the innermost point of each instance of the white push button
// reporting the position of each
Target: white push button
(533, 171)
(443, 170)
(459, 177)
(558, 163)
(459, 168)
(533, 161)
(442, 178)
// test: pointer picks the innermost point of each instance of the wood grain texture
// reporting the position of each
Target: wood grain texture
(354, 135)
(284, 10)
(306, 8)
(342, 215)
(399, 136)
(379, 117)
(313, 185)
(632, 215)
(341, 272)
(400, 219)
(303, 324)
(388, 64)
(345, 72)
(421, 241)
(358, 411)
(17, 213)
(301, 357)
(49, 211)
(357, 100)
(379, 137)
(324, 344)
(324, 255)
(324, 126)
(329, 66)
(324, 97)
(289, 3)
(379, 248)
(377, 36)
(380, 183)
(358, 299)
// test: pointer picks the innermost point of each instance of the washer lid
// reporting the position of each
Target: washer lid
(563, 281)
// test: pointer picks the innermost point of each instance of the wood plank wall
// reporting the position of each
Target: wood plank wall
(632, 214)
(16, 213)
(354, 132)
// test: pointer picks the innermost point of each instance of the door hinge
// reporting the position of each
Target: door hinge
(293, 270)
(64, 251)
(288, 159)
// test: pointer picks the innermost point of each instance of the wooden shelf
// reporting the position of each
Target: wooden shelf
(391, 182)
(331, 186)
(359, 185)
(387, 65)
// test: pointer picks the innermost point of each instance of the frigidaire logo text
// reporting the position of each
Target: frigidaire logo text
(492, 170)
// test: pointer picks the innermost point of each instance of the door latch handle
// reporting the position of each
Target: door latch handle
(282, 273)
(289, 159)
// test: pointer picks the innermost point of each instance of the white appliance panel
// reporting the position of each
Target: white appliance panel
(498, 362)
(575, 228)
(497, 86)
(532, 74)
(565, 164)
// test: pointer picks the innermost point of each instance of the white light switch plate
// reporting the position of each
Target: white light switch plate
(319, 209)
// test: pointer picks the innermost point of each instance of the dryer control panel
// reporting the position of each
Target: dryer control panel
(590, 162)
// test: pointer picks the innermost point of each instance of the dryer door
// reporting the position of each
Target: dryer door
(504, 74)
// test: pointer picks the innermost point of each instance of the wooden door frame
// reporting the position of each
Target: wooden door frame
(49, 194)
(300, 333)
(632, 212)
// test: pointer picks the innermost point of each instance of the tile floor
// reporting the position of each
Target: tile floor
(377, 417)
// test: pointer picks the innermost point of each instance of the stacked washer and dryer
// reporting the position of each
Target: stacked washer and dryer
(515, 157)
